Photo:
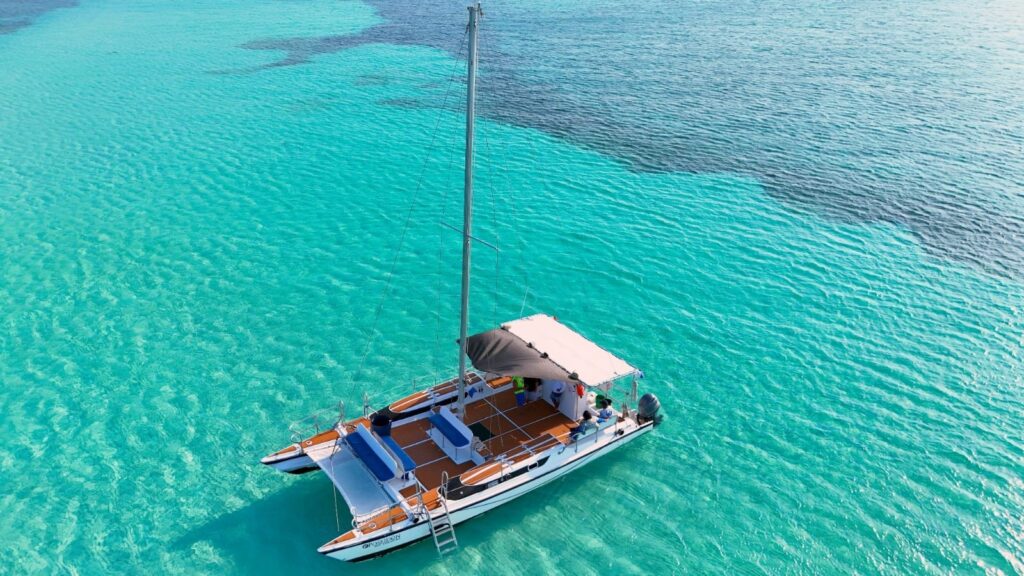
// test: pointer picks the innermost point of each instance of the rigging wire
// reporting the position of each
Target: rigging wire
(337, 518)
(494, 215)
(512, 209)
(494, 218)
(408, 218)
(556, 213)
(497, 233)
(441, 236)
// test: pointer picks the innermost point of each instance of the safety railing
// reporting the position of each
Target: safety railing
(317, 422)
(364, 522)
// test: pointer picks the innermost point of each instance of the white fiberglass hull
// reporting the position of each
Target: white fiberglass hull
(293, 465)
(568, 460)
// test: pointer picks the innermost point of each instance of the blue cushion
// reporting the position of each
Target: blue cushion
(367, 449)
(453, 434)
(407, 463)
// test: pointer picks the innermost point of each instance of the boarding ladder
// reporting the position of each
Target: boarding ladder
(441, 527)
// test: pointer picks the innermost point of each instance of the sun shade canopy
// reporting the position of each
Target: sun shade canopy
(541, 347)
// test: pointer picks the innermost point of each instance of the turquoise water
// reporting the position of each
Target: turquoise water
(193, 247)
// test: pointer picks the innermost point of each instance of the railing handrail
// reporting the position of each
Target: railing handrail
(300, 428)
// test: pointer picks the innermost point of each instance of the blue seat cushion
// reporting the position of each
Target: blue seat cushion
(448, 429)
(373, 455)
(407, 463)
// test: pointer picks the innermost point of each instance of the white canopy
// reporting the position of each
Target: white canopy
(572, 352)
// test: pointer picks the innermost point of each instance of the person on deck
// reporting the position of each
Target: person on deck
(586, 424)
(557, 389)
(606, 413)
(532, 389)
(519, 389)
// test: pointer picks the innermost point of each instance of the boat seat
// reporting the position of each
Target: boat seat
(451, 427)
(366, 447)
(407, 463)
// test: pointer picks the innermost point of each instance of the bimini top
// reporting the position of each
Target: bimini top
(540, 346)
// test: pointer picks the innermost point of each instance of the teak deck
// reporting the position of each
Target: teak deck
(537, 424)
(517, 432)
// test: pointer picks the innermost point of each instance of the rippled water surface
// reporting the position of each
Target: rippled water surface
(804, 223)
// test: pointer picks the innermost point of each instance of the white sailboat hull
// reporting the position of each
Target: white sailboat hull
(293, 465)
(572, 457)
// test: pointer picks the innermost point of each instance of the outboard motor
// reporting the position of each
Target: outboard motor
(647, 409)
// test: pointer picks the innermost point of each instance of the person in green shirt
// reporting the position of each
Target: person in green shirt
(519, 389)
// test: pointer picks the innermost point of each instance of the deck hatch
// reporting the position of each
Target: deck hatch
(480, 431)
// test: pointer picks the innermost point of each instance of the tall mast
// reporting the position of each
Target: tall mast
(467, 209)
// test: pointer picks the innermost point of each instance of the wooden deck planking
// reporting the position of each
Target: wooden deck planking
(479, 411)
(430, 475)
(507, 441)
(531, 412)
(424, 452)
(499, 382)
(504, 400)
(409, 433)
(556, 424)
(481, 473)
(408, 402)
(441, 389)
(537, 424)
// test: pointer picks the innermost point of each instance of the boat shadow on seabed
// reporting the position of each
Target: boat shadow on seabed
(272, 535)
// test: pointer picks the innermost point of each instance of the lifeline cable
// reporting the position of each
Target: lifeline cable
(408, 218)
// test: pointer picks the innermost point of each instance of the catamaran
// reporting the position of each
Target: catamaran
(536, 405)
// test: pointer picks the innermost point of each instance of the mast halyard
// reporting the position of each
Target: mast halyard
(467, 210)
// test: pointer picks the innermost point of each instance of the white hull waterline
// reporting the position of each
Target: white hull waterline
(367, 548)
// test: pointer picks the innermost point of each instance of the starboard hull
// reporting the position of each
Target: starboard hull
(359, 551)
